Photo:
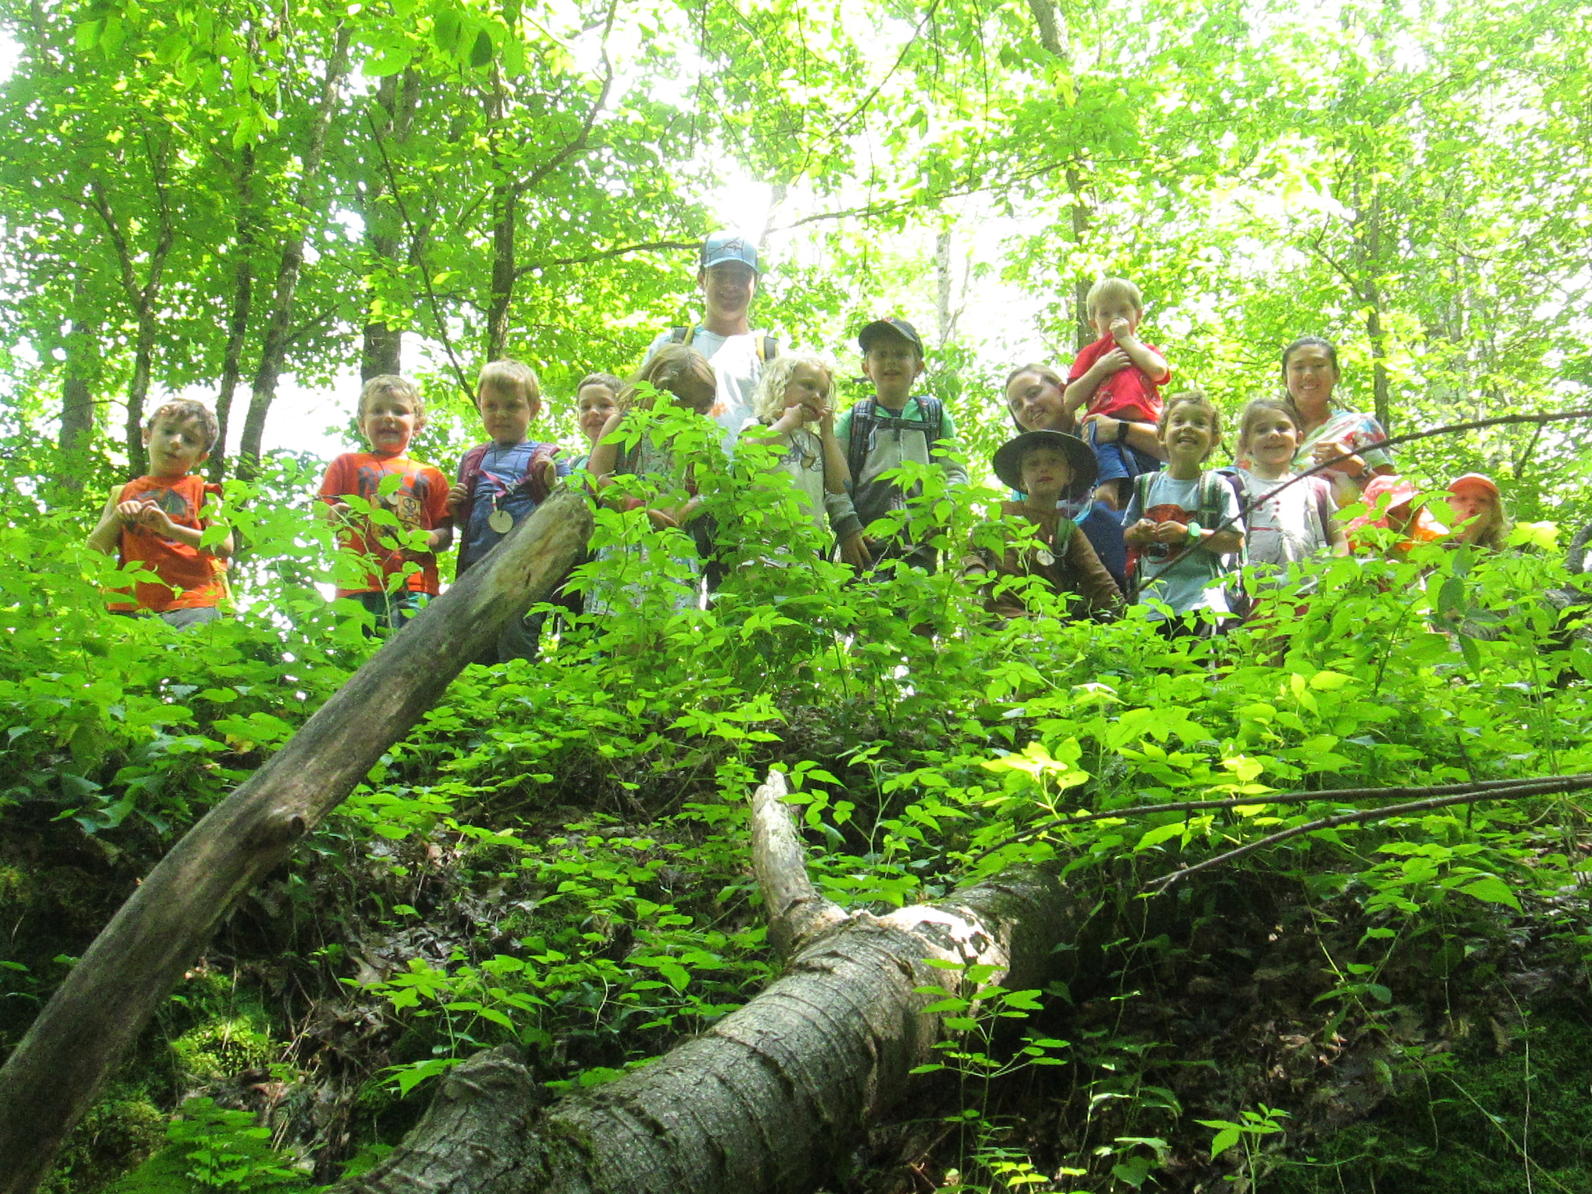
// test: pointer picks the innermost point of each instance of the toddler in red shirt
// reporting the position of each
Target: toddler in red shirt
(1117, 381)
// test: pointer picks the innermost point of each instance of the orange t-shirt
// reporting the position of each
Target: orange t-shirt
(420, 501)
(199, 575)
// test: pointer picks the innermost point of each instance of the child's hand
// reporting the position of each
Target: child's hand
(1168, 532)
(548, 473)
(145, 516)
(792, 417)
(457, 496)
(661, 518)
(1121, 329)
(1140, 533)
(1111, 363)
(857, 550)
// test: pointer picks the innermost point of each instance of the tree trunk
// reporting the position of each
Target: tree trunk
(772, 1096)
(81, 371)
(397, 99)
(241, 306)
(273, 352)
(110, 995)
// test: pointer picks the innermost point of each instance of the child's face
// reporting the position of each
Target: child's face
(1310, 375)
(389, 421)
(506, 412)
(808, 388)
(1035, 402)
(1046, 473)
(1108, 310)
(693, 393)
(892, 365)
(594, 404)
(1271, 440)
(1189, 435)
(176, 446)
(1471, 505)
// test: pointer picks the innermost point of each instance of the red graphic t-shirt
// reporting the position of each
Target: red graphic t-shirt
(1128, 393)
(420, 501)
(190, 578)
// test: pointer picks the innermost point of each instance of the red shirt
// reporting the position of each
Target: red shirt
(1128, 393)
(420, 501)
(198, 574)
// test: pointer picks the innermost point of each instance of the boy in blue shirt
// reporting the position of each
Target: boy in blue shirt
(501, 482)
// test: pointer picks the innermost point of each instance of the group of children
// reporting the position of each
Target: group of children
(1111, 501)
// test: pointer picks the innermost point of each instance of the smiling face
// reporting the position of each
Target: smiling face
(1188, 435)
(506, 411)
(808, 388)
(176, 445)
(593, 404)
(1035, 402)
(1270, 440)
(388, 421)
(1310, 373)
(727, 290)
(1047, 473)
(892, 364)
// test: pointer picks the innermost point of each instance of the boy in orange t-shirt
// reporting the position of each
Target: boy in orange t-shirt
(397, 575)
(160, 520)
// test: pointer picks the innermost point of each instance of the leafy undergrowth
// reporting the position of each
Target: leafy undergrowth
(556, 856)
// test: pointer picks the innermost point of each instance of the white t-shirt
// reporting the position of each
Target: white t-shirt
(735, 368)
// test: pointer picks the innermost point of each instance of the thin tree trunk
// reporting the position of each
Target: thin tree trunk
(89, 1024)
(79, 374)
(245, 234)
(397, 99)
(273, 352)
(772, 1096)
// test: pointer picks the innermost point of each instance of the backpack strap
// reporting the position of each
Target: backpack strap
(933, 412)
(469, 474)
(682, 334)
(767, 348)
(862, 422)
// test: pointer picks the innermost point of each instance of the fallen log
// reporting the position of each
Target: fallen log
(768, 1099)
(52, 1076)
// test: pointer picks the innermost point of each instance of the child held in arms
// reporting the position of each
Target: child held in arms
(501, 482)
(1184, 522)
(1117, 382)
(1047, 467)
(159, 522)
(395, 558)
(881, 433)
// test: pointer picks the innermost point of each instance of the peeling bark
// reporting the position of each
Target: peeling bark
(768, 1099)
(110, 995)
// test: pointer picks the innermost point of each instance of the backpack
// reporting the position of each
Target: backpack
(1208, 513)
(531, 484)
(767, 346)
(865, 419)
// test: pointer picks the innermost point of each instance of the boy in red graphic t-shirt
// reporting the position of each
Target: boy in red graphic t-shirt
(396, 570)
(161, 521)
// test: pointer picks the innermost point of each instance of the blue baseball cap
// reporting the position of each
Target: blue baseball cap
(729, 246)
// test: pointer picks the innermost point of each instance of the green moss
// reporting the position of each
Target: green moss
(1470, 1122)
(119, 1132)
(226, 1045)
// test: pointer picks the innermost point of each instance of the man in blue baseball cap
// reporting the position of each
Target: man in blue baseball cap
(727, 273)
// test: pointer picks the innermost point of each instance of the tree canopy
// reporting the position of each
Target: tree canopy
(226, 200)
